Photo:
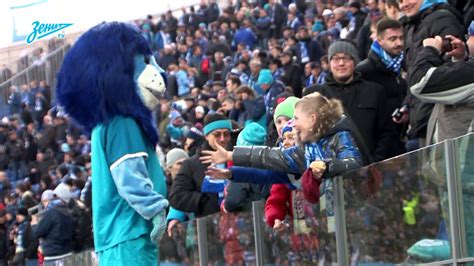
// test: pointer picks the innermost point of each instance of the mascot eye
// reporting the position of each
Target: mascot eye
(147, 59)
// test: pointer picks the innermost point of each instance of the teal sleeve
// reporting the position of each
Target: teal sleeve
(175, 214)
(135, 186)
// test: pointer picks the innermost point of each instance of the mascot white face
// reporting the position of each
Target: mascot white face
(149, 80)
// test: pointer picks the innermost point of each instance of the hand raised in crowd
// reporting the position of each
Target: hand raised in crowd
(280, 225)
(436, 42)
(221, 155)
(456, 50)
(459, 51)
(217, 173)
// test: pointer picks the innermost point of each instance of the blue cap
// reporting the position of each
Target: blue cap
(471, 29)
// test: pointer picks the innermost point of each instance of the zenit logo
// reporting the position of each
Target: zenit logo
(41, 30)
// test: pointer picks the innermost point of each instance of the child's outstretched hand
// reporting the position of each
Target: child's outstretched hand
(218, 173)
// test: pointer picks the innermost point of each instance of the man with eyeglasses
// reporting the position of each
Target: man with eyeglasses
(193, 191)
(364, 101)
(384, 66)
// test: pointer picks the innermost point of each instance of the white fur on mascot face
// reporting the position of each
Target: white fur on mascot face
(150, 83)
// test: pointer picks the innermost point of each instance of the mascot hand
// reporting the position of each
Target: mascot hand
(159, 226)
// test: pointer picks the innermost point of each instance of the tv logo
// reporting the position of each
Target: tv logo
(41, 30)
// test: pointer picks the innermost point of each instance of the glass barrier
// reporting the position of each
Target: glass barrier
(181, 246)
(464, 146)
(230, 239)
(396, 210)
(307, 240)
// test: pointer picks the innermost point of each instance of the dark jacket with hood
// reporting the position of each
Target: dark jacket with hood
(56, 229)
(439, 20)
(365, 104)
(185, 194)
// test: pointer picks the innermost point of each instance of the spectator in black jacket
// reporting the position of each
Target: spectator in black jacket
(291, 73)
(424, 21)
(364, 101)
(25, 248)
(248, 107)
(55, 229)
(191, 190)
(384, 67)
(309, 49)
(278, 14)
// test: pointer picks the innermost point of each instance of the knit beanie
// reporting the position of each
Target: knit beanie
(22, 211)
(344, 47)
(195, 134)
(286, 108)
(216, 121)
(265, 77)
(253, 134)
(174, 155)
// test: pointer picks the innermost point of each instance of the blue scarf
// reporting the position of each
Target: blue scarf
(392, 63)
(429, 3)
(210, 185)
(313, 152)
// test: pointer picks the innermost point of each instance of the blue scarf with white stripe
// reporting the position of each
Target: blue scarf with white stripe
(313, 152)
(392, 63)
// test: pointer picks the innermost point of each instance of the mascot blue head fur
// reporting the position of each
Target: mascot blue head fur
(101, 78)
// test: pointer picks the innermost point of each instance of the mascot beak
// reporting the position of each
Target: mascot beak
(152, 85)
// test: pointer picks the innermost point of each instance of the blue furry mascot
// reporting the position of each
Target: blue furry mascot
(109, 83)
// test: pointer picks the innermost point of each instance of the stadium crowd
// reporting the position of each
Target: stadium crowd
(245, 74)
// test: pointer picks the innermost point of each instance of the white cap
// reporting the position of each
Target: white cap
(327, 12)
(199, 109)
(47, 195)
(62, 192)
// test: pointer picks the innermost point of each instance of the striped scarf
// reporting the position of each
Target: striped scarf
(313, 152)
(392, 63)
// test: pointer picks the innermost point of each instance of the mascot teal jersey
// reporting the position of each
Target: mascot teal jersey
(109, 84)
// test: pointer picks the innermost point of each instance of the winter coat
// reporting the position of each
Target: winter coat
(292, 77)
(56, 230)
(395, 87)
(251, 110)
(451, 87)
(185, 194)
(365, 104)
(439, 20)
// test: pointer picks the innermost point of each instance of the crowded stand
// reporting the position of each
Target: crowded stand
(264, 101)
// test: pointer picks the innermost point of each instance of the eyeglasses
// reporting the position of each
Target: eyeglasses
(344, 58)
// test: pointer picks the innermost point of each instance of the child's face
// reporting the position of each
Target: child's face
(288, 140)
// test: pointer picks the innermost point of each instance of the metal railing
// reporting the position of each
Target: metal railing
(373, 223)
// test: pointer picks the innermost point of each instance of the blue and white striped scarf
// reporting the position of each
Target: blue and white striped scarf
(313, 152)
(392, 63)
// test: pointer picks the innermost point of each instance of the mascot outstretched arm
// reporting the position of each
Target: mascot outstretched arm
(109, 83)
